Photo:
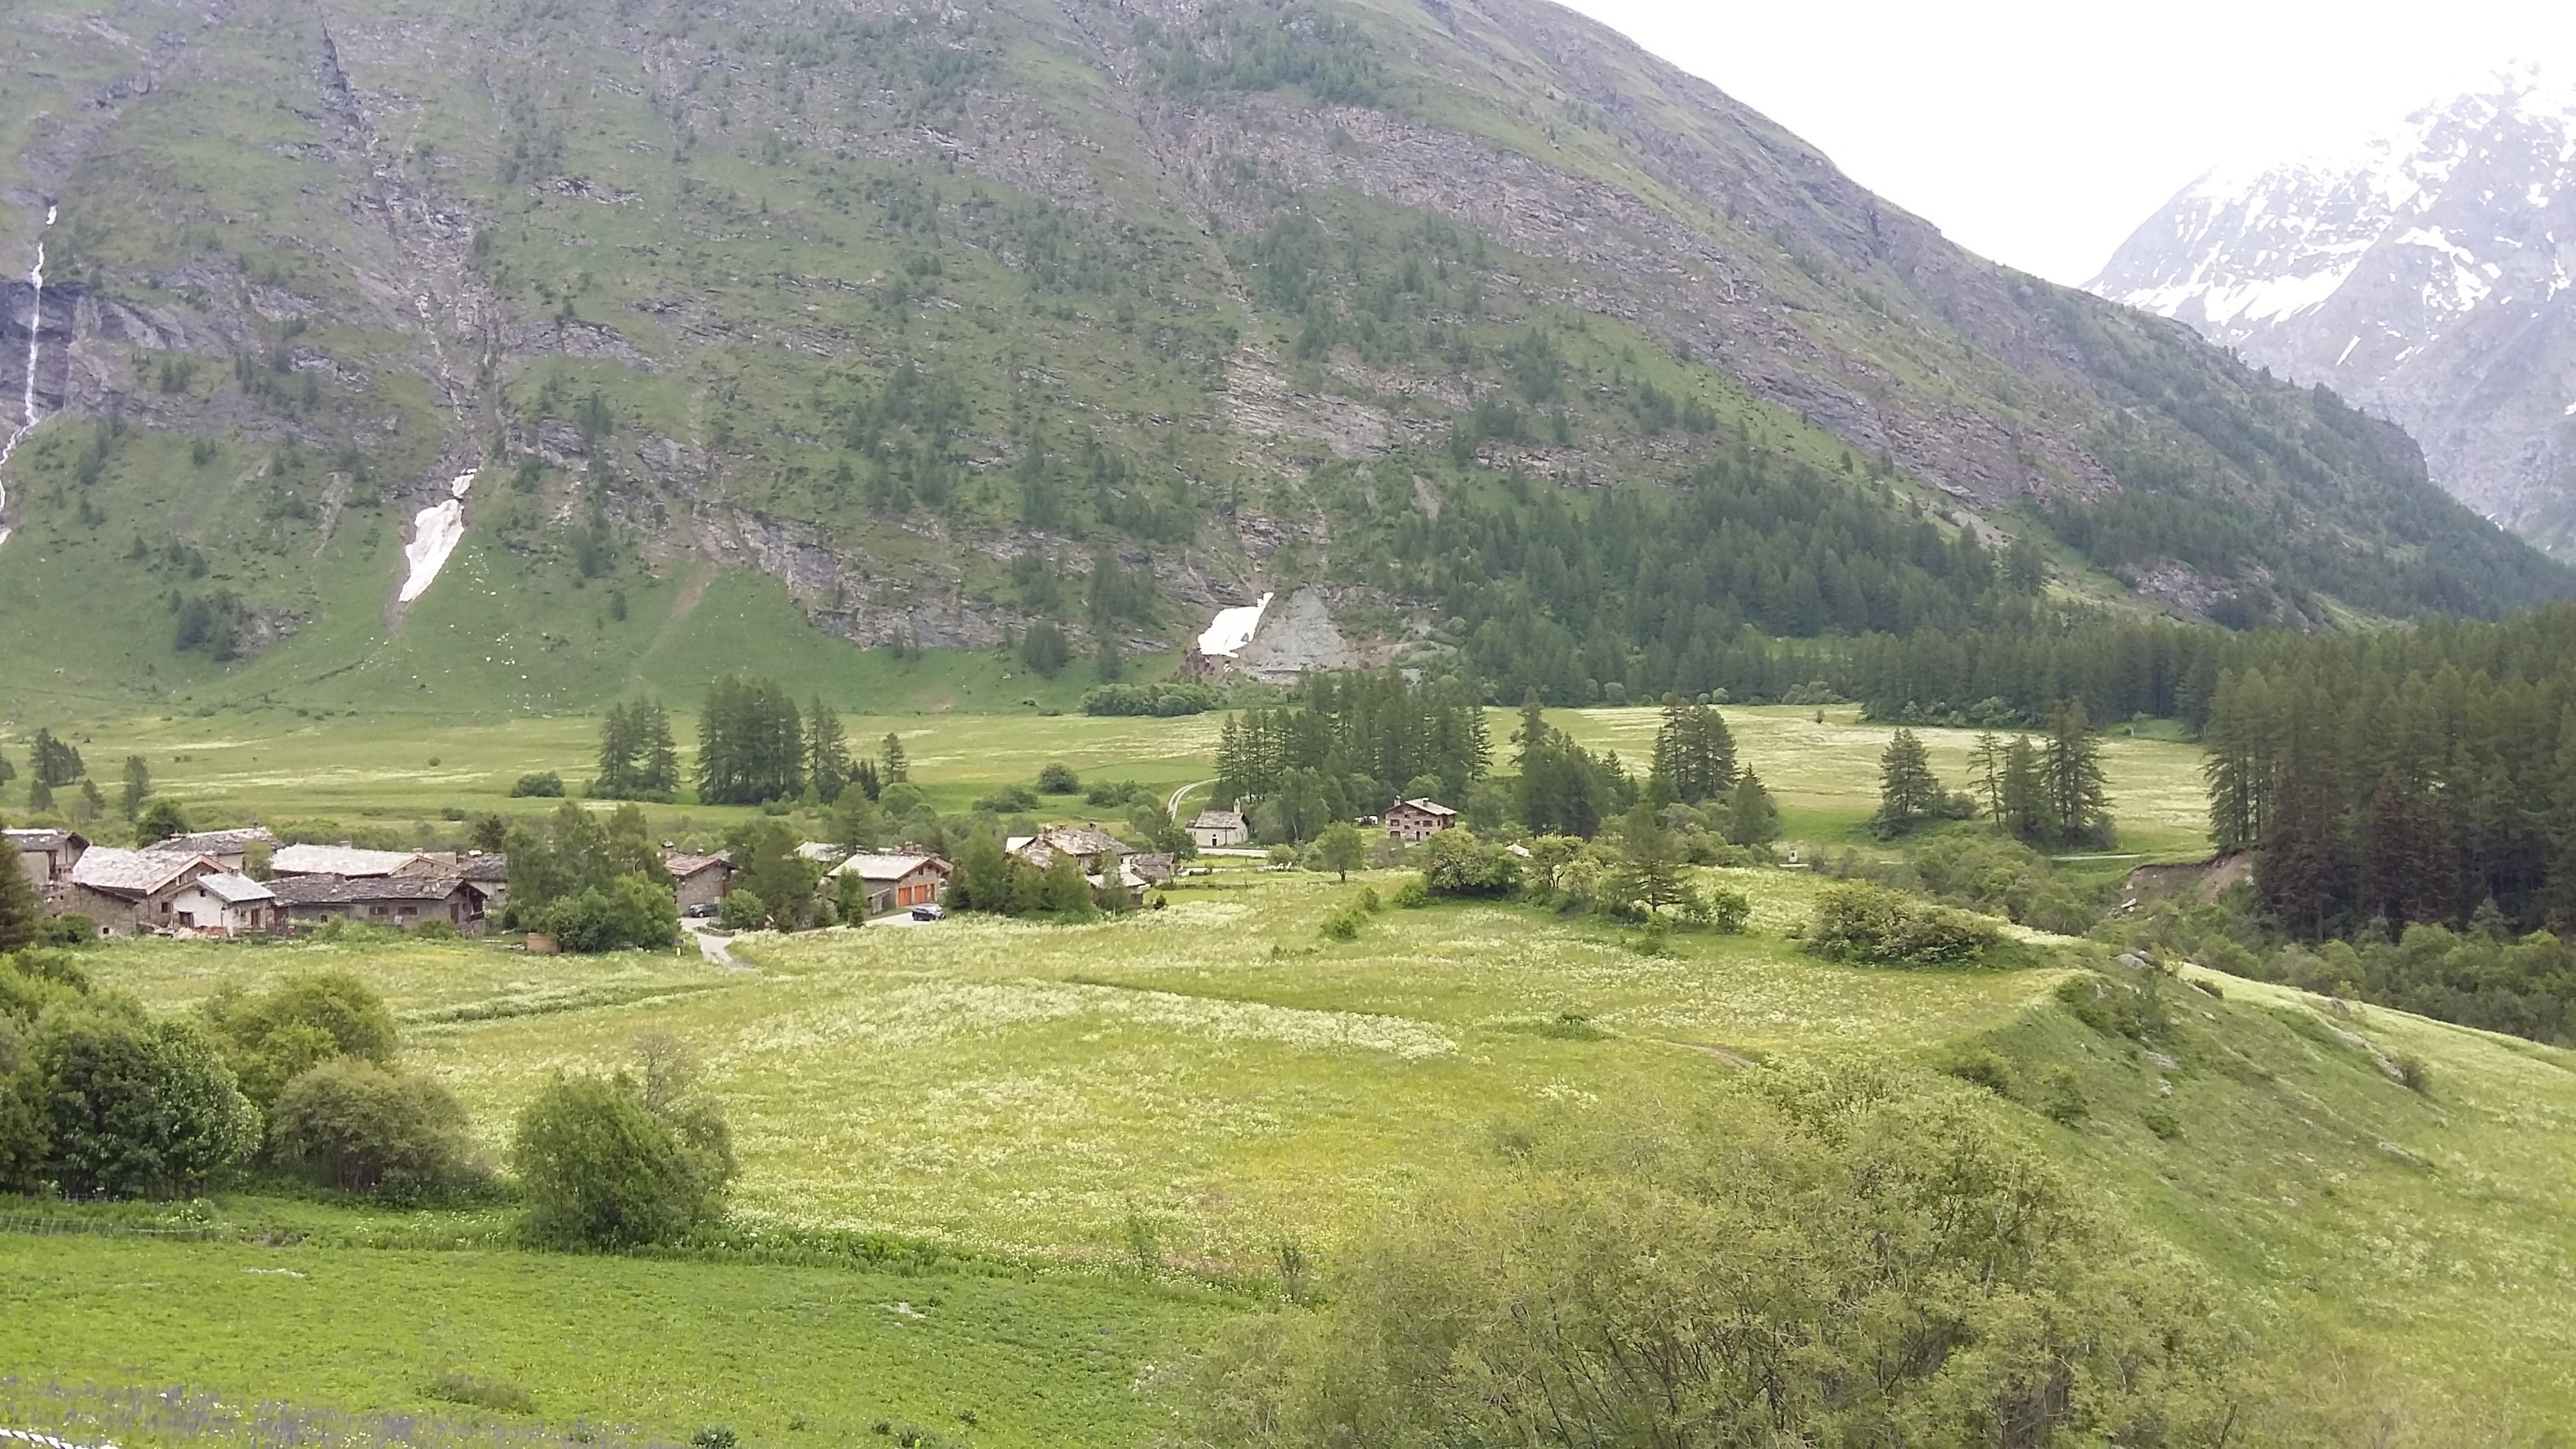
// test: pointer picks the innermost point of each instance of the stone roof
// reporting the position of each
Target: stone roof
(232, 889)
(869, 866)
(1156, 868)
(218, 842)
(1083, 840)
(49, 841)
(1427, 807)
(1218, 820)
(491, 869)
(340, 860)
(683, 865)
(136, 873)
(331, 890)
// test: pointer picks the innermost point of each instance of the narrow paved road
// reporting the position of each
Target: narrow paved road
(712, 947)
(1173, 809)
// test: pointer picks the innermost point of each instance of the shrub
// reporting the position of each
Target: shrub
(1866, 923)
(545, 785)
(134, 1107)
(1009, 800)
(71, 928)
(352, 1125)
(1834, 1270)
(745, 911)
(2061, 1096)
(273, 1038)
(600, 1170)
(2412, 1071)
(2163, 1123)
(1412, 895)
(1718, 908)
(1344, 924)
(455, 1387)
(630, 911)
(1164, 700)
(1456, 863)
(1985, 1067)
(434, 931)
(1059, 779)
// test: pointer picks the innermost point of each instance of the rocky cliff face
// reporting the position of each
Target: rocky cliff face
(2425, 275)
(955, 318)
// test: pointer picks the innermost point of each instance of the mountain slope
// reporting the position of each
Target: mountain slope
(2425, 276)
(1096, 312)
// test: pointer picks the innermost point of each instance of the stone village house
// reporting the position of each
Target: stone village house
(1415, 821)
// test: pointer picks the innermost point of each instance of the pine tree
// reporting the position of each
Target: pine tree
(20, 908)
(2071, 777)
(1986, 769)
(1908, 792)
(2025, 811)
(1651, 858)
(751, 744)
(615, 779)
(1694, 758)
(827, 753)
(658, 775)
(138, 784)
(891, 762)
(1751, 817)
(54, 762)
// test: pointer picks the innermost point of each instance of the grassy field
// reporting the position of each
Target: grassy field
(1185, 1090)
(402, 769)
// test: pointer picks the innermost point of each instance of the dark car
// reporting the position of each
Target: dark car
(703, 910)
(928, 912)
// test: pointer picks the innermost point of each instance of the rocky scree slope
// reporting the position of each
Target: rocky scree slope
(2425, 276)
(952, 320)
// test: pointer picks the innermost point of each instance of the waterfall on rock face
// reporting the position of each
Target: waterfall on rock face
(27, 418)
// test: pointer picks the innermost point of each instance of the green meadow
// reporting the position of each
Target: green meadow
(998, 1177)
(420, 770)
(1097, 1139)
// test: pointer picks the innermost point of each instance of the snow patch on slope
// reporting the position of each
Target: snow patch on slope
(435, 532)
(1233, 628)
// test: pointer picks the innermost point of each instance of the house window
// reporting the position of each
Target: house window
(187, 918)
(377, 911)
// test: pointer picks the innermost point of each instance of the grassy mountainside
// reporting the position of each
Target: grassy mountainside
(951, 320)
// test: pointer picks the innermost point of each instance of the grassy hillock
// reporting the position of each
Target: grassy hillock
(1139, 1114)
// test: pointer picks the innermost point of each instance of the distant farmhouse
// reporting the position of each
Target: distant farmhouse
(1101, 856)
(401, 901)
(132, 890)
(897, 882)
(700, 881)
(1415, 821)
(47, 856)
(1219, 829)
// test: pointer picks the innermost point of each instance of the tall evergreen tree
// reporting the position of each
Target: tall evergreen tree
(827, 753)
(2071, 774)
(891, 763)
(20, 908)
(615, 779)
(751, 744)
(1986, 772)
(1751, 816)
(2024, 798)
(1908, 792)
(138, 785)
(54, 762)
(1651, 858)
(1694, 760)
(658, 763)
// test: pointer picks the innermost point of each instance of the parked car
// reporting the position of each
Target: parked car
(702, 911)
(929, 912)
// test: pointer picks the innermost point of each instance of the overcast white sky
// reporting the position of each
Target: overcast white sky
(2042, 132)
